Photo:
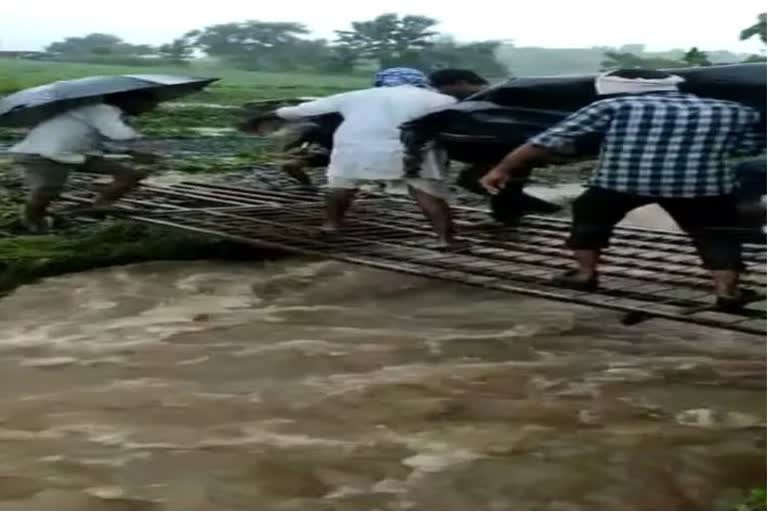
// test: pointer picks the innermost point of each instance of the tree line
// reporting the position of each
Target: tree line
(387, 40)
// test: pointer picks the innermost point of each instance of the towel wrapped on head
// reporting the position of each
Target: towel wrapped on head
(636, 81)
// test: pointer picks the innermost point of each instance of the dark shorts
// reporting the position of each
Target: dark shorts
(49, 176)
(711, 222)
(750, 178)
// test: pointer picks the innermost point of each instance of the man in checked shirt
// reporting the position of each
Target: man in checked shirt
(661, 146)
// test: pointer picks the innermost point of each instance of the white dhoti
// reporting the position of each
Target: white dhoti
(367, 147)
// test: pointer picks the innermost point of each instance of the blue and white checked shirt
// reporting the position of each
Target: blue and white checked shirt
(663, 144)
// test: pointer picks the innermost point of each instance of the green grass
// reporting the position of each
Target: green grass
(753, 500)
(234, 88)
(24, 259)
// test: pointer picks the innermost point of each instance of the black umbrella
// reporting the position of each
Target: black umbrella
(31, 106)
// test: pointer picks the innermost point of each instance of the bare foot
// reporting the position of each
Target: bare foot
(103, 204)
(330, 227)
(39, 226)
(484, 225)
(452, 245)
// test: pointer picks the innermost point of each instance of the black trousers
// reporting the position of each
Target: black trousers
(711, 222)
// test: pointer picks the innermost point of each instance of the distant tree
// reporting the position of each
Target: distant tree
(341, 59)
(754, 58)
(389, 39)
(305, 55)
(695, 57)
(246, 37)
(97, 44)
(758, 29)
(632, 48)
(179, 50)
(140, 49)
(92, 43)
(253, 44)
(478, 56)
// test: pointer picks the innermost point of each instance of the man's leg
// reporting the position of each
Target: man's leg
(295, 169)
(431, 197)
(713, 225)
(33, 215)
(124, 179)
(299, 162)
(338, 199)
(45, 180)
(595, 213)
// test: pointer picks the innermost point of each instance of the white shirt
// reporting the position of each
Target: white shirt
(69, 137)
(367, 143)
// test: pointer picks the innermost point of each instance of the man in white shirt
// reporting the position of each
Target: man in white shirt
(73, 141)
(367, 146)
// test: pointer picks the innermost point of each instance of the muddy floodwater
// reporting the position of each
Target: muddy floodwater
(305, 384)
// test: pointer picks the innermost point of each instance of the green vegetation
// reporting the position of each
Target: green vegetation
(24, 259)
(203, 110)
(753, 500)
(757, 30)
(235, 88)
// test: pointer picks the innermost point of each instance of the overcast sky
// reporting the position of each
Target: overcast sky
(660, 24)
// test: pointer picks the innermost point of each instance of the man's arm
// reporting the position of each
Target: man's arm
(108, 121)
(752, 142)
(517, 165)
(415, 136)
(313, 108)
(121, 138)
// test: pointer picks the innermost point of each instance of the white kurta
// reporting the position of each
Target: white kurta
(367, 146)
(72, 136)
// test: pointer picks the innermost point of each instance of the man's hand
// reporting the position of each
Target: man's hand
(518, 165)
(260, 123)
(495, 180)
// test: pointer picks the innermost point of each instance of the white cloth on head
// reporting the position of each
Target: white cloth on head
(607, 83)
(367, 146)
(72, 136)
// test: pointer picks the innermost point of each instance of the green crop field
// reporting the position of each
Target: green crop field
(199, 111)
(235, 87)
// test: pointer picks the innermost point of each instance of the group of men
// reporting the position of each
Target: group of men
(659, 145)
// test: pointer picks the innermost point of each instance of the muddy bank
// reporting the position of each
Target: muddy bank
(25, 259)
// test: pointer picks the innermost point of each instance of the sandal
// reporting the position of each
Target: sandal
(736, 303)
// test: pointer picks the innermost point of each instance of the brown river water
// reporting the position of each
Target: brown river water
(304, 384)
